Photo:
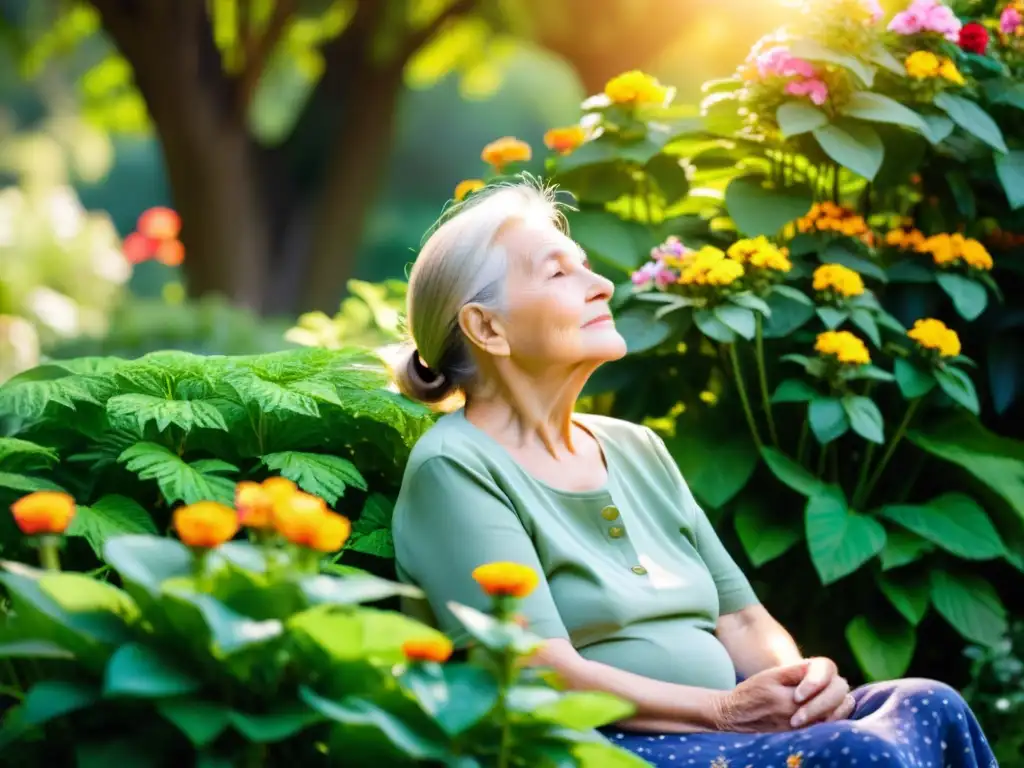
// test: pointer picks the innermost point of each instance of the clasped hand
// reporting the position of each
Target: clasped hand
(782, 698)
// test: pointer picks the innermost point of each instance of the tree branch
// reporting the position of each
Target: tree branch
(258, 54)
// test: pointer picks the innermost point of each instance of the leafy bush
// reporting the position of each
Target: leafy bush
(996, 693)
(239, 655)
(370, 317)
(131, 439)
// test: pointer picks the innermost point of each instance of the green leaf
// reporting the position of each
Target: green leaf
(371, 533)
(230, 631)
(806, 48)
(605, 237)
(840, 253)
(711, 326)
(828, 419)
(865, 418)
(50, 699)
(864, 320)
(148, 561)
(201, 721)
(1010, 170)
(583, 710)
(33, 649)
(31, 394)
(281, 722)
(955, 522)
(717, 463)
(177, 480)
(881, 56)
(963, 195)
(594, 174)
(794, 391)
(495, 635)
(24, 456)
(319, 474)
(759, 210)
(959, 387)
(970, 605)
(908, 593)
(791, 473)
(912, 380)
(738, 319)
(752, 302)
(141, 409)
(457, 696)
(971, 118)
(355, 711)
(354, 589)
(764, 536)
(903, 548)
(25, 483)
(80, 594)
(878, 108)
(595, 754)
(670, 176)
(840, 541)
(642, 330)
(883, 652)
(832, 317)
(969, 296)
(796, 117)
(787, 312)
(855, 146)
(137, 670)
(869, 372)
(110, 516)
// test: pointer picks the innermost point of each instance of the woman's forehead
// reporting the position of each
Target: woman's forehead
(530, 242)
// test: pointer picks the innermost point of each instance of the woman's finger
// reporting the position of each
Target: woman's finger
(844, 710)
(820, 673)
(823, 705)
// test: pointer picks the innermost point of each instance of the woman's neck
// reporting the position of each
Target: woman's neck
(524, 410)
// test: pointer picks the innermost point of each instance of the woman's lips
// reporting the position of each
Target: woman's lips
(598, 321)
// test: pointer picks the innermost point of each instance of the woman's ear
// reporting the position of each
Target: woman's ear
(484, 330)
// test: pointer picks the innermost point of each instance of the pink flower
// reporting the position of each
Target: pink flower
(941, 19)
(905, 23)
(927, 16)
(780, 62)
(664, 278)
(875, 9)
(813, 88)
(1010, 20)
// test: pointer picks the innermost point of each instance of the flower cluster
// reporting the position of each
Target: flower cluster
(950, 250)
(156, 237)
(837, 279)
(635, 88)
(466, 187)
(829, 217)
(710, 266)
(801, 77)
(275, 506)
(925, 65)
(672, 263)
(933, 335)
(843, 346)
(927, 16)
(1011, 20)
(905, 238)
(565, 140)
(43, 513)
(505, 151)
(759, 253)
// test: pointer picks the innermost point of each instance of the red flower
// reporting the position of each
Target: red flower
(974, 38)
(138, 248)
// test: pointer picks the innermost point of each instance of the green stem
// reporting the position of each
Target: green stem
(505, 747)
(858, 494)
(744, 399)
(48, 556)
(891, 448)
(763, 377)
(801, 445)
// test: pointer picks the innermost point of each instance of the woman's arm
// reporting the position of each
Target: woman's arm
(756, 641)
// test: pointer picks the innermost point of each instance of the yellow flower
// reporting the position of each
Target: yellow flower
(506, 579)
(505, 150)
(467, 187)
(905, 239)
(976, 255)
(943, 249)
(304, 519)
(760, 253)
(922, 64)
(437, 649)
(709, 266)
(838, 278)
(948, 71)
(205, 524)
(43, 512)
(564, 140)
(254, 503)
(279, 488)
(795, 760)
(709, 397)
(933, 334)
(844, 346)
(636, 87)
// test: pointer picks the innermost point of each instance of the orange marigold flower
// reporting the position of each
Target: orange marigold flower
(171, 253)
(636, 87)
(468, 187)
(976, 255)
(508, 149)
(279, 488)
(160, 223)
(205, 524)
(331, 533)
(255, 505)
(304, 519)
(565, 140)
(436, 649)
(43, 512)
(138, 248)
(837, 278)
(506, 579)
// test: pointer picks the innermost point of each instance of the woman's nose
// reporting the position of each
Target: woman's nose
(601, 288)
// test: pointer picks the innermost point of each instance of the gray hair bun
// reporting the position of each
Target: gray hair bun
(420, 382)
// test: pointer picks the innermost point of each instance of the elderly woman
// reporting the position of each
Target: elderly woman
(638, 597)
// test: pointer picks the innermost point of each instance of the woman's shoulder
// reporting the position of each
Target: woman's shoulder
(618, 432)
(453, 441)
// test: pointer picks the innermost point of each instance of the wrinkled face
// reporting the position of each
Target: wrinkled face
(555, 308)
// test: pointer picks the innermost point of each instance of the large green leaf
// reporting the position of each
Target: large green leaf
(230, 631)
(200, 720)
(711, 326)
(137, 670)
(148, 561)
(282, 721)
(760, 210)
(110, 516)
(840, 541)
(913, 381)
(494, 634)
(878, 108)
(884, 652)
(959, 387)
(903, 548)
(865, 418)
(457, 696)
(26, 483)
(716, 463)
(624, 245)
(354, 589)
(909, 592)
(955, 522)
(32, 394)
(1010, 169)
(853, 145)
(670, 175)
(737, 319)
(81, 595)
(790, 309)
(52, 698)
(794, 391)
(322, 475)
(24, 456)
(764, 534)
(178, 480)
(791, 473)
(970, 604)
(828, 419)
(969, 296)
(797, 117)
(141, 409)
(971, 118)
(807, 48)
(583, 710)
(642, 330)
